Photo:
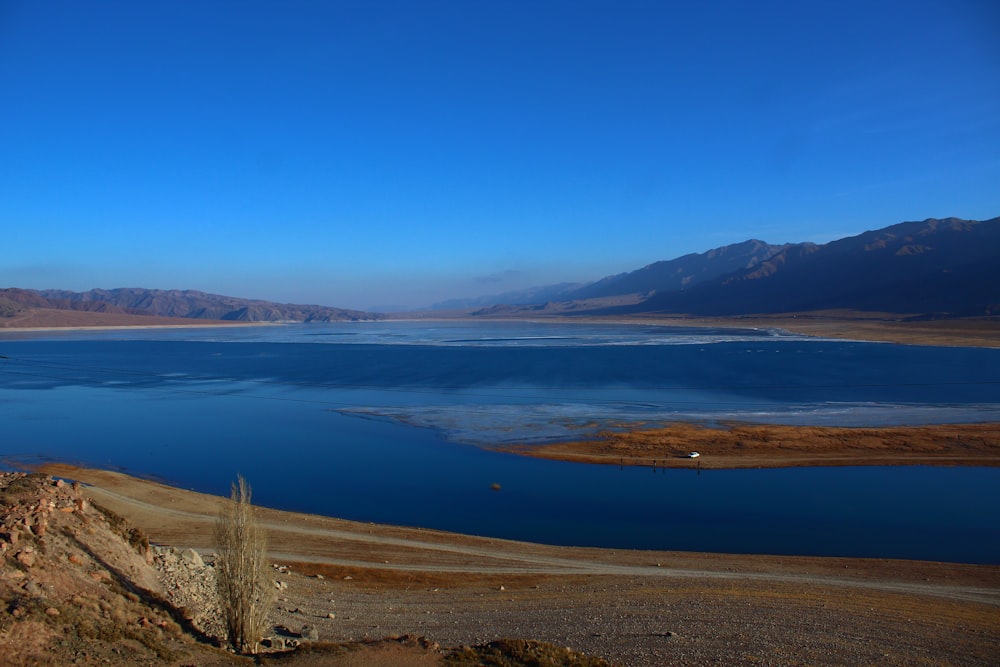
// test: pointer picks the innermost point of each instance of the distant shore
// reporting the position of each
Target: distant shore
(776, 446)
(849, 325)
(842, 325)
(975, 332)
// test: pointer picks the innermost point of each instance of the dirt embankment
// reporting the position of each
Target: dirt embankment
(638, 608)
(777, 446)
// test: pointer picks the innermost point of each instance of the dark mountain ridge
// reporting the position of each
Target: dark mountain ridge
(935, 267)
(189, 304)
(683, 272)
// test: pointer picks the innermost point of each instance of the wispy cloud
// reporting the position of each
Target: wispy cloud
(499, 277)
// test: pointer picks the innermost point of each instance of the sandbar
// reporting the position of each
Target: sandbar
(740, 445)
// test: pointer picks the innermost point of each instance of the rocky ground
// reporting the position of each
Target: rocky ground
(80, 586)
(76, 583)
(339, 581)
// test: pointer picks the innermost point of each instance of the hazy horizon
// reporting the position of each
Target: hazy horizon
(366, 154)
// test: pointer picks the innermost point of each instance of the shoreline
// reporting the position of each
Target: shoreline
(835, 325)
(356, 580)
(733, 445)
(174, 516)
(861, 327)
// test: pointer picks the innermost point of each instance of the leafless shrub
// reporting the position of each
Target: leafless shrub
(240, 570)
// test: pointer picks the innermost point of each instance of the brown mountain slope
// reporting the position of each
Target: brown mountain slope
(187, 304)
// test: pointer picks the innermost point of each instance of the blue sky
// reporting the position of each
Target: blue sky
(365, 153)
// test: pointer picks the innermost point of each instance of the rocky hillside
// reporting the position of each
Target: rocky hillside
(79, 586)
(684, 272)
(931, 268)
(187, 304)
(935, 268)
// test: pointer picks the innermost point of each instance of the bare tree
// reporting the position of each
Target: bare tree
(240, 570)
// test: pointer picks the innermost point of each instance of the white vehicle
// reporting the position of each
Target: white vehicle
(693, 455)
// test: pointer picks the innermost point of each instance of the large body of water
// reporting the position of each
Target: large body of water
(381, 422)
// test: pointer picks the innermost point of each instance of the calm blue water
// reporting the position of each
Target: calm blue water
(378, 422)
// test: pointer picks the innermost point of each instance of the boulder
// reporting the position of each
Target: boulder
(192, 558)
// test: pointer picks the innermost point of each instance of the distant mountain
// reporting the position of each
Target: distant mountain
(559, 292)
(947, 267)
(683, 272)
(933, 268)
(189, 304)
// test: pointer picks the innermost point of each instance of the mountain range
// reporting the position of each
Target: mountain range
(185, 304)
(933, 268)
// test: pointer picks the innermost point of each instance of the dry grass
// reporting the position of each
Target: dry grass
(735, 445)
(242, 571)
(521, 652)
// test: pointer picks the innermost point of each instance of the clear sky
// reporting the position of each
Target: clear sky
(364, 153)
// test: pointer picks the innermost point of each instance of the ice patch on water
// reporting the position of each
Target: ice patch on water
(495, 424)
(453, 334)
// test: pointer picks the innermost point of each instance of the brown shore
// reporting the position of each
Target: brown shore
(778, 446)
(635, 608)
(876, 327)
(842, 325)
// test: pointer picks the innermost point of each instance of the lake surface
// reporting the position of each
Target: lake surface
(381, 422)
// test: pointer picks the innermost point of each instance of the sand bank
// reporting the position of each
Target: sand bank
(837, 324)
(874, 327)
(777, 446)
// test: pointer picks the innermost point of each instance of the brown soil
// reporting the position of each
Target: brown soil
(852, 325)
(356, 581)
(776, 446)
(842, 324)
(76, 586)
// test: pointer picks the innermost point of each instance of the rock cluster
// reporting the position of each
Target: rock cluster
(189, 583)
(75, 581)
(28, 509)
